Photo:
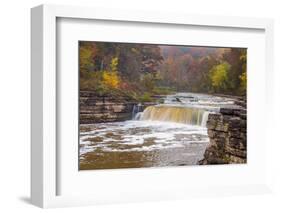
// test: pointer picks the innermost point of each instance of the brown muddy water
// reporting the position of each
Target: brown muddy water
(135, 144)
(170, 134)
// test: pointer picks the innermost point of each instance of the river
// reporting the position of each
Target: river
(173, 133)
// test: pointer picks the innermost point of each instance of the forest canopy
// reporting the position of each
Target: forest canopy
(140, 71)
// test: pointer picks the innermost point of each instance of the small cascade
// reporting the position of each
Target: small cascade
(137, 109)
(205, 118)
(185, 115)
(138, 116)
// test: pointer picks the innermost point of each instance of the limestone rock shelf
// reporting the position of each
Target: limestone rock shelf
(98, 109)
(227, 131)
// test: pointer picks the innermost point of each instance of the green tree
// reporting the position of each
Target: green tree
(243, 83)
(236, 57)
(114, 64)
(243, 76)
(148, 82)
(87, 52)
(219, 77)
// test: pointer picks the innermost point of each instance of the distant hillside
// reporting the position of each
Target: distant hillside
(196, 52)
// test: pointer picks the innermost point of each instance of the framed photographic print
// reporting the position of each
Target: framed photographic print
(130, 106)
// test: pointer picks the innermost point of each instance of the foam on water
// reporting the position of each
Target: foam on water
(139, 136)
(179, 121)
(170, 133)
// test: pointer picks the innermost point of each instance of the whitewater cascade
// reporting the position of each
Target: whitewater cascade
(178, 114)
(136, 111)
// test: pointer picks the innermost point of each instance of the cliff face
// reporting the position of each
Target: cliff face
(227, 131)
(97, 109)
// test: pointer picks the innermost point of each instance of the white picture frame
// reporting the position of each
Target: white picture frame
(44, 153)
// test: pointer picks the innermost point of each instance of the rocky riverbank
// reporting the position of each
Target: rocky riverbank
(99, 109)
(227, 131)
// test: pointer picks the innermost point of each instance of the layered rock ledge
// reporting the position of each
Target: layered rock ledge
(99, 109)
(227, 131)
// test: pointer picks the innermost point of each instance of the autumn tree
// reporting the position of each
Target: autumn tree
(110, 78)
(219, 77)
(243, 76)
(107, 67)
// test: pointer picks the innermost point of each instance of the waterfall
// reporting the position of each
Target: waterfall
(185, 115)
(205, 118)
(138, 116)
(136, 113)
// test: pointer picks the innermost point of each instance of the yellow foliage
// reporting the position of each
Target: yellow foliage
(114, 64)
(85, 55)
(111, 79)
(219, 76)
